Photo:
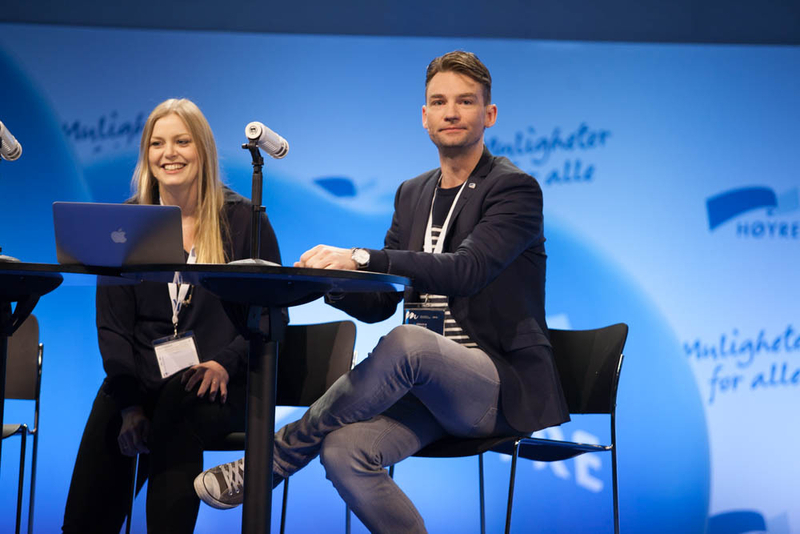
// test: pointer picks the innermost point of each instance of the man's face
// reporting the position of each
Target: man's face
(454, 113)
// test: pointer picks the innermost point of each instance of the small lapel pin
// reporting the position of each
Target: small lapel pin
(472, 185)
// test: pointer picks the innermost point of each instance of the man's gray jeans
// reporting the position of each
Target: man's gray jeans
(414, 388)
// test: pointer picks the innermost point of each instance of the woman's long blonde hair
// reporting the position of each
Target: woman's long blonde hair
(211, 223)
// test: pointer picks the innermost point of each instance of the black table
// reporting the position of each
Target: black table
(246, 289)
(22, 283)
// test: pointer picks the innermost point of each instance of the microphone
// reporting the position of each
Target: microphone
(10, 149)
(267, 140)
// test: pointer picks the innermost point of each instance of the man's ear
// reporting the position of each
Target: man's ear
(491, 116)
(425, 117)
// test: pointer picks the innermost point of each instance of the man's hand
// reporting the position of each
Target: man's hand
(213, 379)
(133, 435)
(327, 257)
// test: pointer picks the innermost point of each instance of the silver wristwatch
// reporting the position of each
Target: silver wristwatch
(361, 258)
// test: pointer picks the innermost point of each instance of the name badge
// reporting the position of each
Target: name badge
(175, 353)
(426, 317)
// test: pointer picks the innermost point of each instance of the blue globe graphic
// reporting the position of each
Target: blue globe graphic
(662, 437)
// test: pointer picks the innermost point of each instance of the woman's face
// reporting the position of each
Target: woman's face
(172, 153)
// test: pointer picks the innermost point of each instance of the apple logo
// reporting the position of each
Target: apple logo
(118, 236)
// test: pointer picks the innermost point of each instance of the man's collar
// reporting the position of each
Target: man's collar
(484, 164)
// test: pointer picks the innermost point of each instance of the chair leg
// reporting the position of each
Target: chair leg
(22, 445)
(346, 519)
(34, 454)
(283, 505)
(482, 492)
(511, 486)
(614, 490)
(391, 471)
(135, 464)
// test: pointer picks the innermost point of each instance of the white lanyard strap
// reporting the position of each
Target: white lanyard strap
(178, 291)
(428, 246)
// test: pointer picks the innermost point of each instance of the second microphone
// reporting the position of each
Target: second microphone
(267, 140)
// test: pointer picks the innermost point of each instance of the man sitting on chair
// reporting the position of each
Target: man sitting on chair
(478, 360)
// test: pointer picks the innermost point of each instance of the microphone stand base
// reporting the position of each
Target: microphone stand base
(255, 261)
(7, 259)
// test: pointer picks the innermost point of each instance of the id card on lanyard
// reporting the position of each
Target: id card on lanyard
(421, 313)
(178, 351)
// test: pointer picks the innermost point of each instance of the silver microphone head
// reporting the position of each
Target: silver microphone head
(10, 149)
(270, 142)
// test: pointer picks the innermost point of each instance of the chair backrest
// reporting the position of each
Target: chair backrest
(311, 358)
(589, 363)
(23, 365)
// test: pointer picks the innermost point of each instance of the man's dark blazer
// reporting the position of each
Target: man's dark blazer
(492, 268)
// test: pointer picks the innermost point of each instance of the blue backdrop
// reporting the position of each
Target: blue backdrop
(671, 203)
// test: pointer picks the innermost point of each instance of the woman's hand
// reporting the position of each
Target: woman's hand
(135, 429)
(213, 379)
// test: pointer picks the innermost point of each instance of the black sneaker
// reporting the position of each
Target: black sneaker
(222, 486)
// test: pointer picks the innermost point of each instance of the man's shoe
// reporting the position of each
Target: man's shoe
(222, 486)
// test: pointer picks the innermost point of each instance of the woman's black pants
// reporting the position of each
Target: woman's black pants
(181, 424)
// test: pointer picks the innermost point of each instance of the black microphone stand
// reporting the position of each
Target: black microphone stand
(258, 209)
(262, 368)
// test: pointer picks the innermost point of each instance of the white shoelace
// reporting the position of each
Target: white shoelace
(233, 474)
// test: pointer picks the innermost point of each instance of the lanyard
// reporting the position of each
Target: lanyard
(428, 247)
(178, 292)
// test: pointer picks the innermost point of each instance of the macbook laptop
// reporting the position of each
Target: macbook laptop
(116, 235)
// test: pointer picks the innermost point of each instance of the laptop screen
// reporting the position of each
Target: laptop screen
(116, 235)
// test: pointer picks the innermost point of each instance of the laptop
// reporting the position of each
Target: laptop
(117, 235)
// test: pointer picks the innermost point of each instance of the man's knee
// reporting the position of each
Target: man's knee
(409, 334)
(405, 342)
(342, 457)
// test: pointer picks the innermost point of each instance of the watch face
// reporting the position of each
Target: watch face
(361, 257)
